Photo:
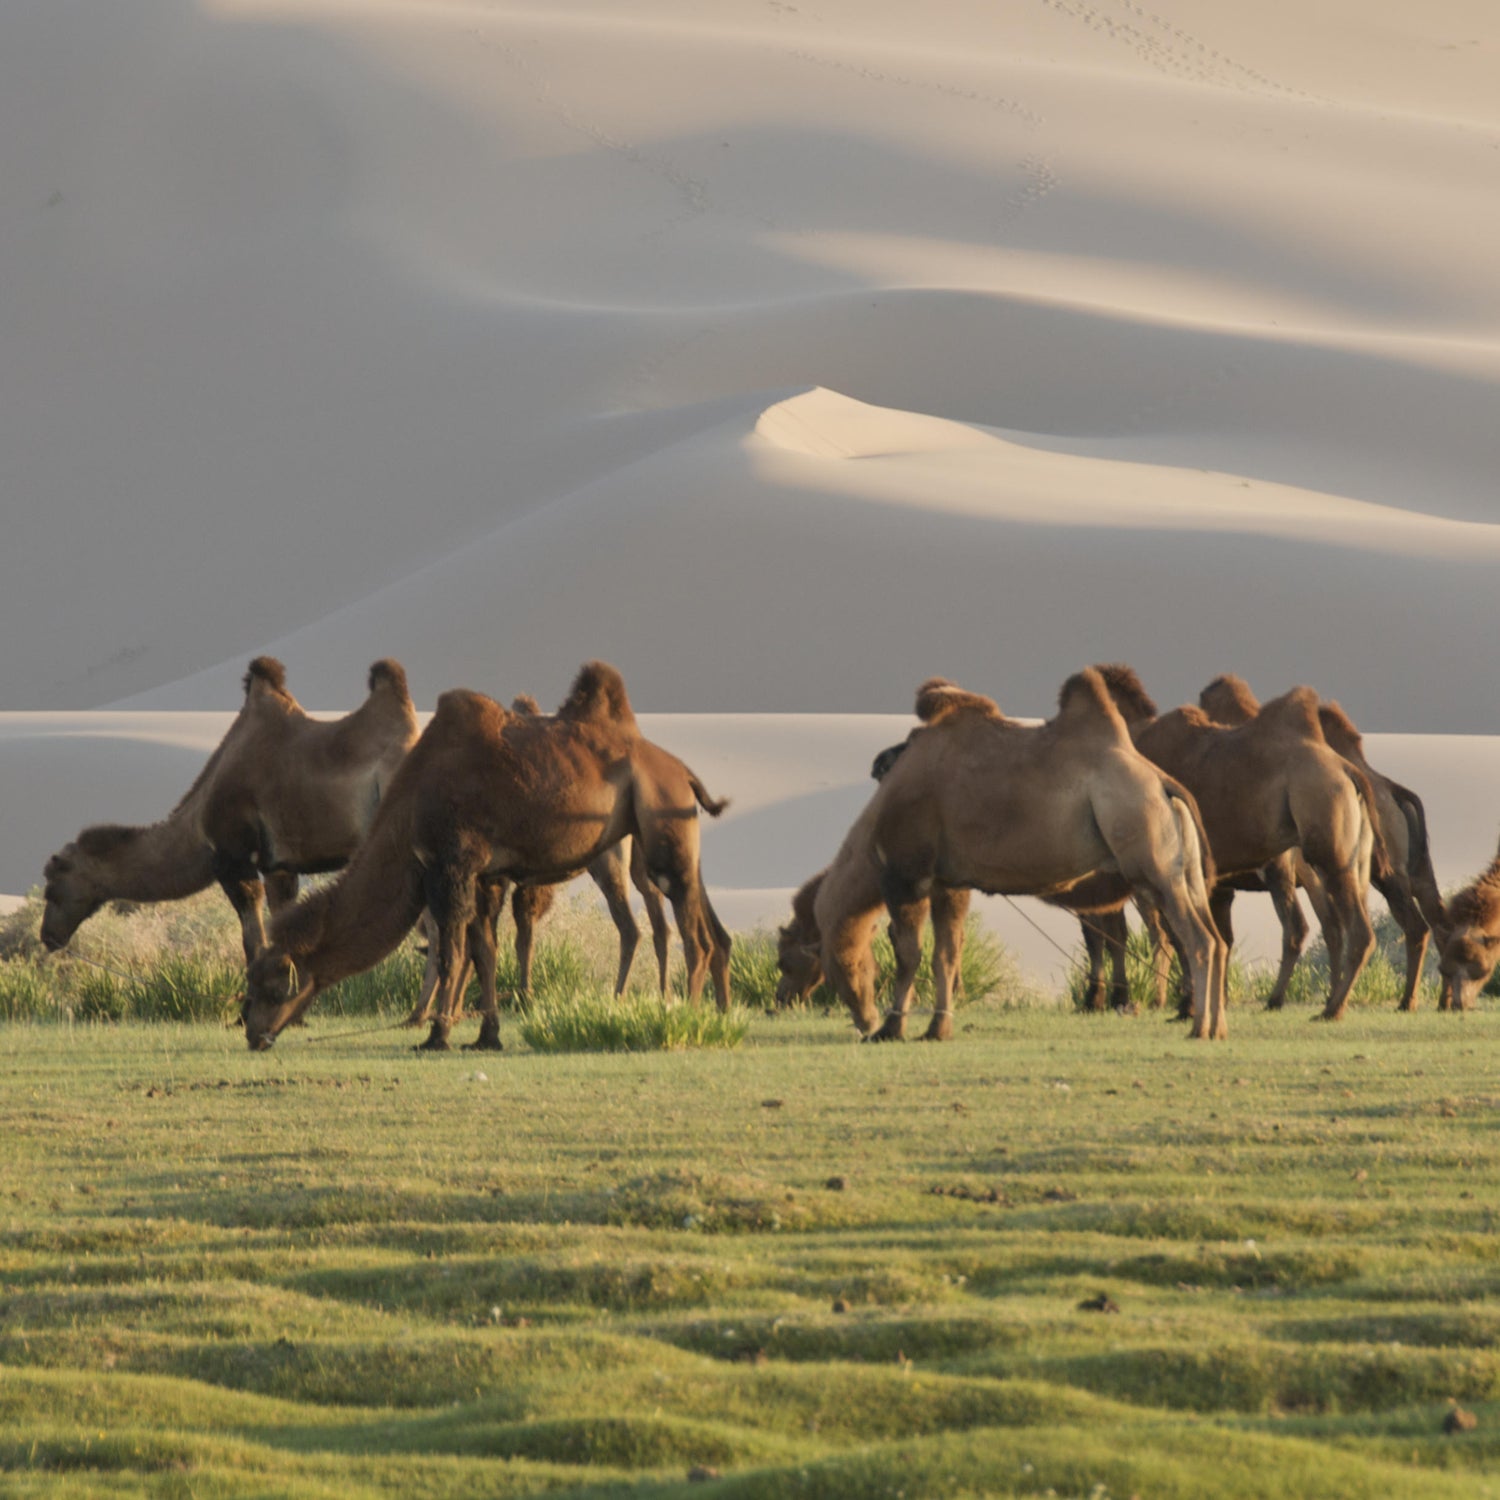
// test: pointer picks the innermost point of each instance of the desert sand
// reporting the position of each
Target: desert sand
(783, 354)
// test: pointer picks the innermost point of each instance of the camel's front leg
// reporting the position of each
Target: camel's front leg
(1281, 882)
(483, 942)
(950, 911)
(451, 899)
(608, 873)
(907, 921)
(240, 881)
(528, 906)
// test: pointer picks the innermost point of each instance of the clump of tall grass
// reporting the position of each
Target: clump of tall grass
(595, 1021)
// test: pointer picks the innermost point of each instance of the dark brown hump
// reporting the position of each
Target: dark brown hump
(1339, 730)
(939, 699)
(524, 703)
(1228, 700)
(1130, 695)
(598, 695)
(1296, 711)
(389, 673)
(268, 670)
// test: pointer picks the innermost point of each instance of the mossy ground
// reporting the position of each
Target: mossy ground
(806, 1266)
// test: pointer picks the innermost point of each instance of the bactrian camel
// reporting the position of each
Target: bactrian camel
(983, 802)
(1469, 942)
(486, 793)
(529, 904)
(1266, 787)
(282, 795)
(1409, 886)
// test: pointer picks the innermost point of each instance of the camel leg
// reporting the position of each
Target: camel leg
(1093, 947)
(240, 881)
(692, 928)
(452, 901)
(1413, 927)
(1116, 932)
(1161, 954)
(907, 921)
(528, 905)
(720, 945)
(483, 945)
(849, 968)
(1281, 883)
(422, 1010)
(950, 911)
(281, 890)
(608, 873)
(661, 935)
(1355, 936)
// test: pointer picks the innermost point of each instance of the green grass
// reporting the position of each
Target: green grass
(809, 1266)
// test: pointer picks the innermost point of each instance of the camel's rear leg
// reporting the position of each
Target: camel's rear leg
(1161, 955)
(483, 943)
(950, 911)
(1094, 948)
(1280, 877)
(528, 905)
(1398, 896)
(1353, 934)
(656, 912)
(608, 873)
(451, 885)
(907, 921)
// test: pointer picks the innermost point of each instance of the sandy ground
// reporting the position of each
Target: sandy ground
(784, 354)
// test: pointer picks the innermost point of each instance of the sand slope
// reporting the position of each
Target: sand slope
(782, 353)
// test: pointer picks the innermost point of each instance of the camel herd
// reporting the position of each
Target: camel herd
(1107, 803)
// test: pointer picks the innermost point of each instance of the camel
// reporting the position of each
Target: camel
(282, 795)
(1098, 902)
(529, 904)
(1266, 787)
(487, 794)
(980, 801)
(1410, 888)
(1470, 945)
(799, 956)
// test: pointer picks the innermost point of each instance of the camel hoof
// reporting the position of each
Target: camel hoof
(1129, 1008)
(1329, 1015)
(485, 1044)
(884, 1034)
(938, 1034)
(436, 1042)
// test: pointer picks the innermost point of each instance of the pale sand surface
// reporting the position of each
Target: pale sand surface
(782, 352)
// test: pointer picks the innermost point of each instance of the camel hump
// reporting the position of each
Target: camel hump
(1228, 699)
(524, 703)
(1125, 687)
(598, 696)
(1339, 729)
(1085, 698)
(387, 672)
(1296, 711)
(939, 699)
(267, 670)
(462, 707)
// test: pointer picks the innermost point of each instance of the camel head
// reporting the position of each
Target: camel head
(72, 894)
(276, 994)
(1467, 960)
(800, 961)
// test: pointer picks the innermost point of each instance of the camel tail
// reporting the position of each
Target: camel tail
(1380, 859)
(709, 805)
(1190, 819)
(1419, 871)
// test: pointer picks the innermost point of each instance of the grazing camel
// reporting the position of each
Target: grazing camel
(1471, 944)
(282, 795)
(799, 955)
(1098, 902)
(980, 801)
(487, 794)
(1410, 887)
(1266, 787)
(529, 904)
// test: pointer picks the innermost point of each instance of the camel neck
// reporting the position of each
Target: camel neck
(159, 862)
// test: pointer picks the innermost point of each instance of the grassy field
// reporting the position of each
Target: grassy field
(1061, 1255)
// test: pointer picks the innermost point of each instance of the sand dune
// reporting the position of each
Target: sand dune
(784, 354)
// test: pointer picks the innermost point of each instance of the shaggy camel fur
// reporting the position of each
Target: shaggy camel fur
(1468, 952)
(1266, 787)
(1410, 887)
(529, 904)
(984, 802)
(283, 795)
(486, 794)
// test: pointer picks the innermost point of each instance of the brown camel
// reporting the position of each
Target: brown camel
(485, 794)
(799, 956)
(1098, 902)
(984, 802)
(1266, 787)
(282, 795)
(1410, 887)
(1471, 945)
(529, 904)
